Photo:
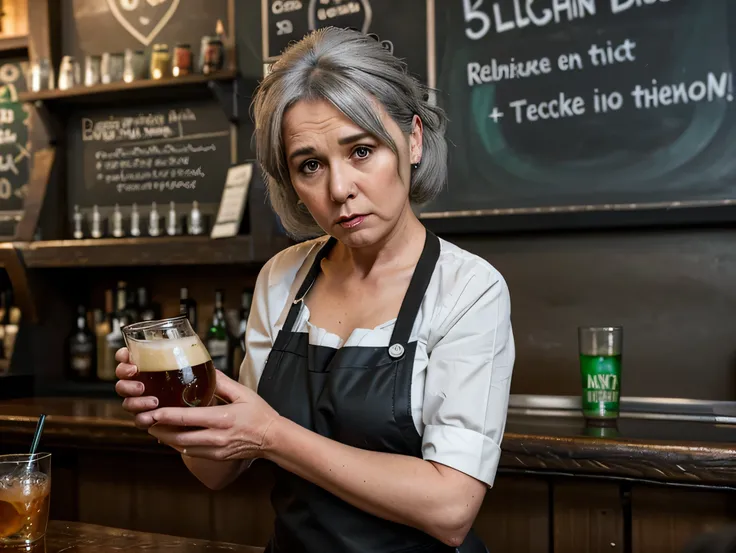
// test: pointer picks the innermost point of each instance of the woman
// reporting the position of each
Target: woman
(379, 357)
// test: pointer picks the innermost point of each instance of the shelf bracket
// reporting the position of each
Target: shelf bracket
(227, 95)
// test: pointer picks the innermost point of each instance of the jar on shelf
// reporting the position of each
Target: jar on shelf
(113, 66)
(182, 60)
(92, 70)
(212, 55)
(160, 61)
(135, 65)
(69, 74)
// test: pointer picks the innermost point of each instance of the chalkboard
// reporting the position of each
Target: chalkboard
(400, 25)
(15, 147)
(97, 26)
(587, 104)
(178, 152)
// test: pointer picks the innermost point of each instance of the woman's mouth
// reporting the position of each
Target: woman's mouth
(352, 221)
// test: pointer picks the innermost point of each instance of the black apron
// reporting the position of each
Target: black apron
(360, 396)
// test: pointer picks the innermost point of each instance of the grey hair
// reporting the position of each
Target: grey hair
(351, 71)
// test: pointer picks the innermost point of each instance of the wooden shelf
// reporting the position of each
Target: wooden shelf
(187, 87)
(127, 252)
(13, 44)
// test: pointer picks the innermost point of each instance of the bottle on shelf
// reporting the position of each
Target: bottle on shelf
(188, 307)
(81, 349)
(102, 329)
(147, 311)
(11, 323)
(239, 350)
(218, 338)
(114, 340)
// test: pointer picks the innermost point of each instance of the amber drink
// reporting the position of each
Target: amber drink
(173, 364)
(25, 488)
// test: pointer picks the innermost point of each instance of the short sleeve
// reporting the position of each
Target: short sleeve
(258, 331)
(469, 377)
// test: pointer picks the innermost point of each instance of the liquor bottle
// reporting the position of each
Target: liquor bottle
(123, 305)
(114, 340)
(81, 349)
(96, 223)
(103, 321)
(188, 307)
(147, 311)
(11, 323)
(239, 349)
(218, 337)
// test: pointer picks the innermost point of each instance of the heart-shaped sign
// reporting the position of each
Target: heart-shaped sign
(136, 16)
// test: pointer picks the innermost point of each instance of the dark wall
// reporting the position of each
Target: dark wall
(673, 291)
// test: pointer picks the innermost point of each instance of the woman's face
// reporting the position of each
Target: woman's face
(354, 186)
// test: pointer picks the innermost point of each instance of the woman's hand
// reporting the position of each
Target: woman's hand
(221, 433)
(132, 390)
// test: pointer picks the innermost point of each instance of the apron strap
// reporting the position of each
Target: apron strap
(307, 284)
(414, 296)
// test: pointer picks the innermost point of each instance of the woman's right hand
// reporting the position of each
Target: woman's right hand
(132, 390)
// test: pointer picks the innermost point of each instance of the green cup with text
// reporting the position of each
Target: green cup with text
(600, 371)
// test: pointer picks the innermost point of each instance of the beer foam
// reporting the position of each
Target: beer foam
(168, 355)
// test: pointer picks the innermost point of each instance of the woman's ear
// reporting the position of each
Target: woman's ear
(416, 140)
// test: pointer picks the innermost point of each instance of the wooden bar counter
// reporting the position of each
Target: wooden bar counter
(647, 486)
(89, 538)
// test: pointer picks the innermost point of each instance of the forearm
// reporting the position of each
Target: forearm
(399, 488)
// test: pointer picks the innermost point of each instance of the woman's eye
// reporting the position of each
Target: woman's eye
(362, 152)
(311, 166)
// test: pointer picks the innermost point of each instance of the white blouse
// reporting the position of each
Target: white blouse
(464, 358)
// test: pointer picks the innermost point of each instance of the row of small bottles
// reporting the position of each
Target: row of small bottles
(97, 336)
(174, 225)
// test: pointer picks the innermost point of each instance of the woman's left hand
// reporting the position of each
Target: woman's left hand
(220, 433)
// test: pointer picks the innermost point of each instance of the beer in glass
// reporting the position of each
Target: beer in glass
(172, 362)
(600, 369)
(25, 487)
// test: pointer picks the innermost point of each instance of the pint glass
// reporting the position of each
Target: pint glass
(172, 362)
(600, 370)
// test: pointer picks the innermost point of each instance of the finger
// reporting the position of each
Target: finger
(136, 405)
(204, 417)
(129, 388)
(144, 420)
(122, 355)
(125, 371)
(176, 437)
(228, 389)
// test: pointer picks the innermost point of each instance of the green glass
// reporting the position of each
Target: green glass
(600, 371)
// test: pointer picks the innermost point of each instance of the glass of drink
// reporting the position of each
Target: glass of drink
(600, 369)
(172, 362)
(25, 486)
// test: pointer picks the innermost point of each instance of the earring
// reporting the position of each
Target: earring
(415, 166)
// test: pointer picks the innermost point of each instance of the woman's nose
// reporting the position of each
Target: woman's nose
(342, 183)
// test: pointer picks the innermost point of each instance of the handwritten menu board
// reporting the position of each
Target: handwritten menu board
(587, 104)
(400, 25)
(97, 26)
(15, 145)
(178, 152)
